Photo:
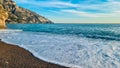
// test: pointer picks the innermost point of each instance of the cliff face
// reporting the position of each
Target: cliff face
(20, 15)
(3, 17)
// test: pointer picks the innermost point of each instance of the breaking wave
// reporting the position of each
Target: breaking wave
(88, 47)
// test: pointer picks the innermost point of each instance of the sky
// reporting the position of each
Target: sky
(75, 11)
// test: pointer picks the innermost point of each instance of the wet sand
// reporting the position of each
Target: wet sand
(16, 57)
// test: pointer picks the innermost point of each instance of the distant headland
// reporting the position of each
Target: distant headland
(18, 14)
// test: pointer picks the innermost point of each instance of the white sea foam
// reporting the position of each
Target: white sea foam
(9, 30)
(72, 51)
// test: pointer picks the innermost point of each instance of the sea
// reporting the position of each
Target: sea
(70, 45)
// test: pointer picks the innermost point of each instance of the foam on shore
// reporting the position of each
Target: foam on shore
(9, 30)
(70, 51)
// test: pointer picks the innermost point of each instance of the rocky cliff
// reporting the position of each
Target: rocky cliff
(3, 17)
(20, 15)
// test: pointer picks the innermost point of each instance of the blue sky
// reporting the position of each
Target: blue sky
(75, 11)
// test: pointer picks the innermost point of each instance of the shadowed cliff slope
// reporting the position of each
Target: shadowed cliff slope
(20, 15)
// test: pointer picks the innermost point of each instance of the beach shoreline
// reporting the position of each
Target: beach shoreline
(12, 56)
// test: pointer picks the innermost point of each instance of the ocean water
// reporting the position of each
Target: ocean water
(71, 45)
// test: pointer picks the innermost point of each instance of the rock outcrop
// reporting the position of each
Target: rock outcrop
(20, 15)
(3, 17)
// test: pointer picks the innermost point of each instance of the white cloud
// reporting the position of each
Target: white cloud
(104, 7)
(57, 4)
(80, 13)
(50, 4)
(104, 11)
(87, 14)
(110, 6)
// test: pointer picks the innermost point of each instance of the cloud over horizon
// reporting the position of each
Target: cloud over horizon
(92, 9)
